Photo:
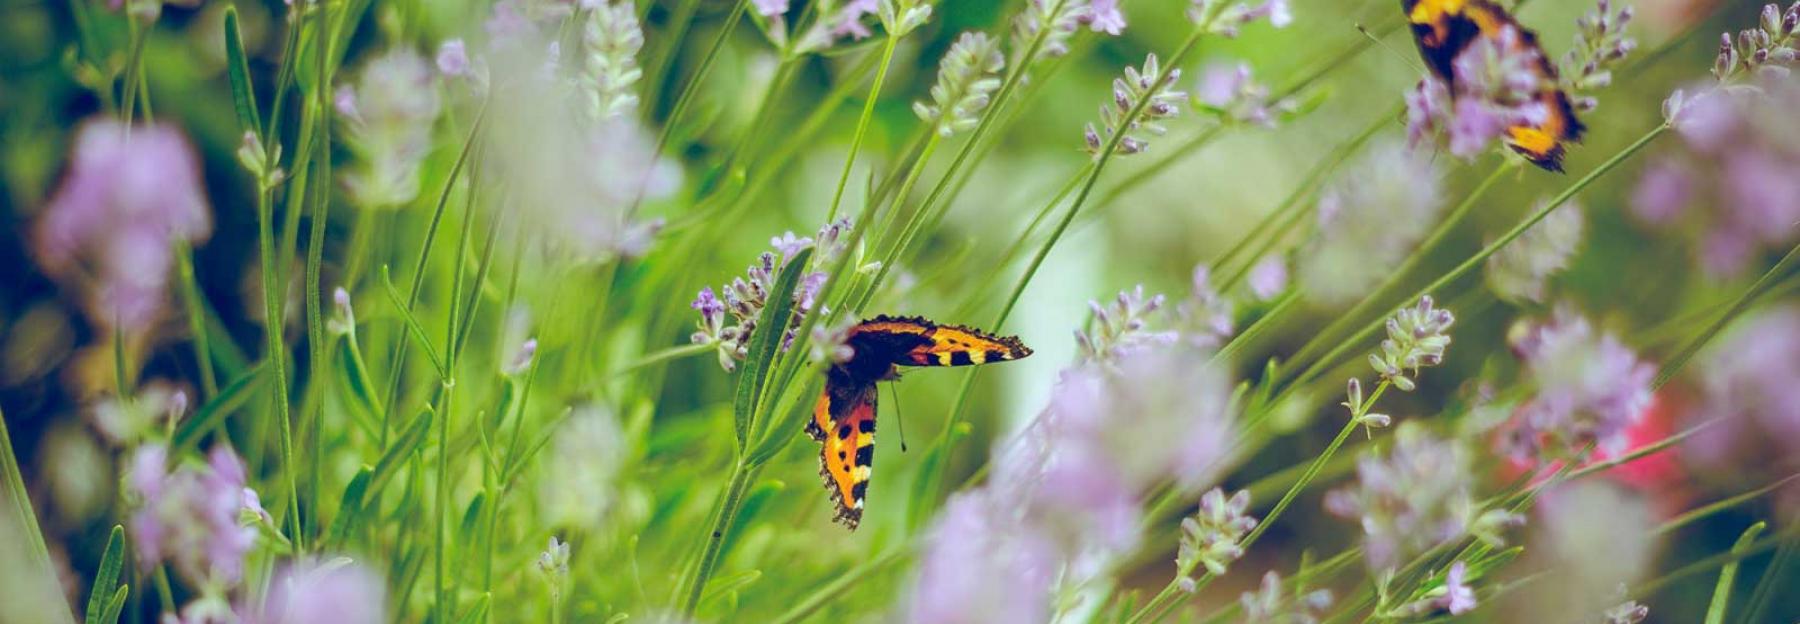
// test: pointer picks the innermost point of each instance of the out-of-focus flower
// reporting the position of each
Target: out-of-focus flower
(1210, 538)
(453, 58)
(1496, 84)
(746, 296)
(189, 516)
(1741, 162)
(148, 10)
(1226, 17)
(1204, 319)
(1369, 221)
(1416, 338)
(1267, 605)
(1590, 537)
(1415, 498)
(836, 21)
(770, 8)
(966, 77)
(1050, 23)
(130, 195)
(1157, 413)
(1105, 16)
(387, 116)
(612, 40)
(828, 343)
(1454, 596)
(554, 561)
(337, 590)
(1520, 271)
(1118, 328)
(1628, 612)
(124, 422)
(1269, 277)
(1749, 389)
(1147, 87)
(582, 469)
(1600, 43)
(1590, 389)
(981, 566)
(1229, 92)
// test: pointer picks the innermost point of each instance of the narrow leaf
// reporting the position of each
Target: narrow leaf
(243, 96)
(106, 579)
(1715, 613)
(115, 606)
(477, 612)
(397, 454)
(764, 343)
(412, 324)
(350, 508)
(230, 398)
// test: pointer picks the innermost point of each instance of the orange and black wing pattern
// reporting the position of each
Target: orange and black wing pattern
(844, 425)
(1445, 28)
(930, 344)
(844, 418)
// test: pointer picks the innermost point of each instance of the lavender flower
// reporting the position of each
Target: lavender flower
(1766, 50)
(828, 343)
(1225, 17)
(387, 118)
(1105, 16)
(1627, 612)
(966, 77)
(1118, 328)
(1048, 22)
(1590, 389)
(453, 59)
(1414, 499)
(1600, 43)
(1741, 162)
(770, 8)
(157, 406)
(981, 565)
(337, 590)
(189, 516)
(128, 197)
(1496, 82)
(1416, 339)
(1751, 380)
(1267, 605)
(1269, 277)
(1454, 596)
(1147, 87)
(1204, 319)
(1230, 93)
(746, 296)
(612, 40)
(1211, 537)
(1369, 220)
(1591, 537)
(554, 561)
(1521, 271)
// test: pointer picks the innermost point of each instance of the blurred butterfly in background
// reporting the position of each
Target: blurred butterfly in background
(1444, 29)
(844, 418)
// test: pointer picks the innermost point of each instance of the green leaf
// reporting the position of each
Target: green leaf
(469, 532)
(477, 612)
(356, 380)
(243, 95)
(764, 343)
(778, 433)
(230, 398)
(350, 508)
(397, 454)
(106, 579)
(730, 582)
(412, 323)
(1715, 613)
(115, 606)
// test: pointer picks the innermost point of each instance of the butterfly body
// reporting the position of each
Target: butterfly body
(1444, 29)
(844, 417)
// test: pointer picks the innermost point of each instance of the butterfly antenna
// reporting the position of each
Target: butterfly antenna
(899, 416)
(1403, 58)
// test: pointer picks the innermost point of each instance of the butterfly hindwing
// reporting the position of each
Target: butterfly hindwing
(844, 424)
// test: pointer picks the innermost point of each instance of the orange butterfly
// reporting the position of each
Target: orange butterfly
(844, 419)
(1445, 28)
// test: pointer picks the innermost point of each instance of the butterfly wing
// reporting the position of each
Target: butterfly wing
(930, 344)
(844, 424)
(1443, 29)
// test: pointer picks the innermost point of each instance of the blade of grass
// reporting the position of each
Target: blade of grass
(1715, 612)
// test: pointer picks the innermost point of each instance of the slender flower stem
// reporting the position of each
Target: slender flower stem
(741, 473)
(195, 306)
(134, 66)
(686, 98)
(1475, 261)
(1750, 295)
(862, 126)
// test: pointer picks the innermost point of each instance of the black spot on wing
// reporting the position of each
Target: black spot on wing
(858, 491)
(866, 426)
(865, 456)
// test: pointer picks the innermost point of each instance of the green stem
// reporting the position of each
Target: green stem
(1762, 284)
(196, 318)
(687, 91)
(276, 354)
(703, 571)
(862, 126)
(672, 37)
(134, 65)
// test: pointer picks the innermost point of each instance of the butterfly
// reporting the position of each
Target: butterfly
(1445, 28)
(844, 419)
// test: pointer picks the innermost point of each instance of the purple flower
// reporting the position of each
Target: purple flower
(1211, 537)
(849, 20)
(1590, 389)
(980, 565)
(1269, 277)
(337, 591)
(128, 196)
(1415, 498)
(1231, 92)
(1751, 379)
(1591, 537)
(1522, 270)
(1369, 220)
(1267, 605)
(1663, 193)
(1105, 16)
(1161, 102)
(1119, 327)
(189, 516)
(388, 115)
(788, 245)
(1454, 596)
(452, 58)
(770, 8)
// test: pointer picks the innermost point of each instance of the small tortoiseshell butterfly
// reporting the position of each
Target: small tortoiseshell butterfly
(1445, 28)
(844, 419)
